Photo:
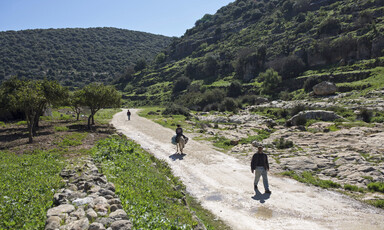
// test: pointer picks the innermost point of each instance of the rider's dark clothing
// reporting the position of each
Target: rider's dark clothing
(179, 133)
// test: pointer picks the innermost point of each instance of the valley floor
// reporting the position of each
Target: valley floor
(224, 185)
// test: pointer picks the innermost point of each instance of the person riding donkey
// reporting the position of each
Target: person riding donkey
(181, 139)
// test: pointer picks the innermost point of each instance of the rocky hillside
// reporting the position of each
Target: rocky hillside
(296, 38)
(75, 57)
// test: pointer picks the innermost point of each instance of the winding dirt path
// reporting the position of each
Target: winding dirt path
(224, 186)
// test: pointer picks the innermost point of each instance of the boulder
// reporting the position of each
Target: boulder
(325, 88)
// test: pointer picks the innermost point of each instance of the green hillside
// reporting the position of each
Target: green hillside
(75, 57)
(296, 38)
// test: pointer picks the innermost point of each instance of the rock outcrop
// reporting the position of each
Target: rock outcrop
(315, 115)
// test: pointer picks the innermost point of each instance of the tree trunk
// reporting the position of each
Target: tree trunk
(93, 119)
(89, 121)
(78, 116)
(30, 121)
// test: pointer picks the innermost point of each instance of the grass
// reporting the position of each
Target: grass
(376, 187)
(150, 194)
(105, 115)
(74, 139)
(61, 128)
(168, 121)
(27, 185)
(262, 134)
(353, 188)
(308, 178)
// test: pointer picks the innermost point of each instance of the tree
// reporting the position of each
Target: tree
(160, 58)
(98, 96)
(76, 101)
(271, 81)
(31, 97)
(234, 89)
(140, 65)
(54, 95)
(181, 84)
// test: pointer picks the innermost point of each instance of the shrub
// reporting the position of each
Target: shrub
(271, 80)
(297, 109)
(282, 143)
(234, 90)
(330, 26)
(376, 187)
(288, 67)
(309, 83)
(229, 104)
(173, 109)
(366, 115)
(351, 187)
(181, 84)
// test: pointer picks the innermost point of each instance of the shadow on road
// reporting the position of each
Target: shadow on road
(261, 197)
(177, 156)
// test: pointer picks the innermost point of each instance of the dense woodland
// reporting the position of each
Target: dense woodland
(75, 57)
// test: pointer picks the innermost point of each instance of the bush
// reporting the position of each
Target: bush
(271, 80)
(330, 26)
(181, 84)
(309, 83)
(353, 188)
(282, 143)
(229, 104)
(174, 109)
(297, 109)
(376, 187)
(234, 89)
(366, 115)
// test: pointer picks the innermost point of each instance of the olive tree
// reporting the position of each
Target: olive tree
(97, 96)
(76, 101)
(31, 97)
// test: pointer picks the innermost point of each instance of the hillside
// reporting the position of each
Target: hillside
(75, 57)
(296, 38)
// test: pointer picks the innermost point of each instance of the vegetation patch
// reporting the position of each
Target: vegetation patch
(376, 187)
(27, 185)
(150, 194)
(308, 178)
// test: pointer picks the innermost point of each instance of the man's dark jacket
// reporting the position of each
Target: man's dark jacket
(259, 159)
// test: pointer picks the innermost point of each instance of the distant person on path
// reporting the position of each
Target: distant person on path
(179, 133)
(260, 165)
(129, 115)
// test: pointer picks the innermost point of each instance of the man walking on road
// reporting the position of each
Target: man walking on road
(260, 165)
(129, 115)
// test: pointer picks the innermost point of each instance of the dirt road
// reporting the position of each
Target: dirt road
(224, 186)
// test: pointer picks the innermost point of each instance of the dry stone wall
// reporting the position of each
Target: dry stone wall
(87, 202)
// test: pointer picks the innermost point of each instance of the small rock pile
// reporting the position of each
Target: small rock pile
(87, 202)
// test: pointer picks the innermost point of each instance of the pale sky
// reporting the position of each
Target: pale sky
(166, 17)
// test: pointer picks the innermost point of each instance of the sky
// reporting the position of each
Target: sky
(165, 17)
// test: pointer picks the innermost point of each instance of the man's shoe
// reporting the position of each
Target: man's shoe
(268, 192)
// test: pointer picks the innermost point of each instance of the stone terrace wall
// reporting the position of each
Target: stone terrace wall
(88, 202)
